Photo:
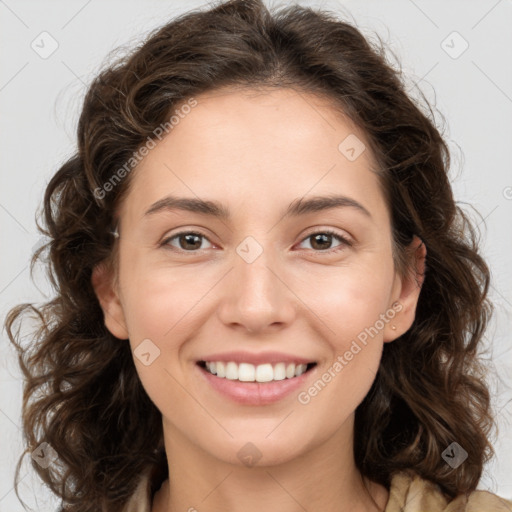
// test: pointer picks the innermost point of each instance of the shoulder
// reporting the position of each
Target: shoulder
(410, 493)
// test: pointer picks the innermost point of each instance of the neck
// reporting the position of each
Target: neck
(322, 477)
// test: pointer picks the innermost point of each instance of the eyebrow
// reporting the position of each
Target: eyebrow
(296, 208)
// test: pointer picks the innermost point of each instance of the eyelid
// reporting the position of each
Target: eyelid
(331, 231)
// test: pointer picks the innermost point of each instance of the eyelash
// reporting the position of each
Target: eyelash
(345, 242)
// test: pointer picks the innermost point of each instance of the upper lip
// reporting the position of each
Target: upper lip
(256, 359)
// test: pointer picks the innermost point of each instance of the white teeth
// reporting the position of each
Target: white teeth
(264, 373)
(301, 368)
(280, 371)
(290, 371)
(246, 372)
(232, 371)
(221, 369)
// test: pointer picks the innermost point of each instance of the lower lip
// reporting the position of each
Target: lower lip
(255, 393)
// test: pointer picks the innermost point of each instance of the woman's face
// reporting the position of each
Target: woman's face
(269, 286)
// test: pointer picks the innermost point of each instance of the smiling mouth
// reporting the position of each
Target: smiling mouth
(246, 372)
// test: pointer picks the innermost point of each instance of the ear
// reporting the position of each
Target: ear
(103, 282)
(406, 292)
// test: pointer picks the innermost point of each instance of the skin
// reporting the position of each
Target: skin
(256, 152)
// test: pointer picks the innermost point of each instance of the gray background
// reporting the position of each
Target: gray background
(40, 103)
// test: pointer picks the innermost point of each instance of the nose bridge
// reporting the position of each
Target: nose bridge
(256, 282)
(256, 296)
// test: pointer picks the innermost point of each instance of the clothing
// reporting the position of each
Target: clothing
(408, 493)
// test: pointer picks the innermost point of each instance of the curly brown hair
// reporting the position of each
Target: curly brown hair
(82, 394)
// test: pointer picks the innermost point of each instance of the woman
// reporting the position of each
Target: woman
(267, 297)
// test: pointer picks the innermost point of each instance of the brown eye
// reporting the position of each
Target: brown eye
(322, 241)
(189, 241)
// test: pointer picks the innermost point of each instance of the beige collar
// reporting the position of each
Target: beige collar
(408, 493)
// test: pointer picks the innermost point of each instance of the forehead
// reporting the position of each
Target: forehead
(257, 148)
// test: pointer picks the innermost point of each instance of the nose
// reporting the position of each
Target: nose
(255, 296)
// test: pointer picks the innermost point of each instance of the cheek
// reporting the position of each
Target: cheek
(352, 326)
(157, 301)
(160, 307)
(351, 301)
(352, 304)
